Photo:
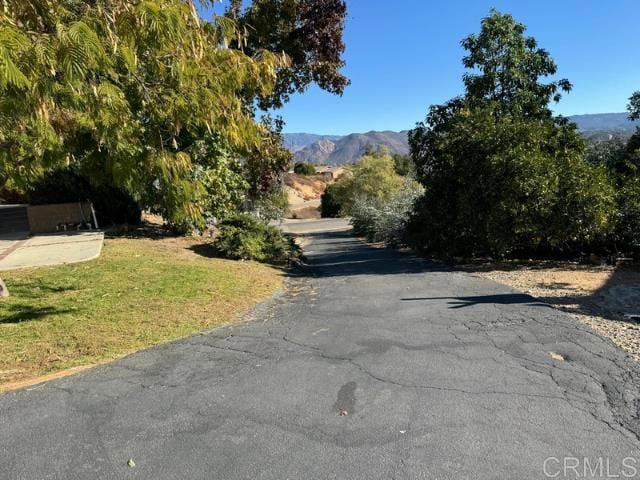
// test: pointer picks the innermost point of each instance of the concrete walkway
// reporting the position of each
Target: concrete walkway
(20, 251)
(374, 365)
(300, 227)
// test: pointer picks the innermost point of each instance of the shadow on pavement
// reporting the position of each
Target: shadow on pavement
(499, 299)
(334, 254)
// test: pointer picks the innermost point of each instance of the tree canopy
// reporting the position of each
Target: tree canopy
(148, 97)
(500, 172)
(309, 32)
(506, 68)
(372, 177)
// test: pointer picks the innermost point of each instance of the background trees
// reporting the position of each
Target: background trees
(500, 173)
(372, 177)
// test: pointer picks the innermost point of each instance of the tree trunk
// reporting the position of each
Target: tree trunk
(3, 290)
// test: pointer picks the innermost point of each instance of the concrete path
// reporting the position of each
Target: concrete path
(11, 241)
(374, 365)
(301, 227)
(50, 249)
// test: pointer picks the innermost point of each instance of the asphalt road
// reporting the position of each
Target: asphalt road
(373, 365)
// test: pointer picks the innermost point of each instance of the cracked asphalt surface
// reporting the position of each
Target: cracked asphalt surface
(372, 365)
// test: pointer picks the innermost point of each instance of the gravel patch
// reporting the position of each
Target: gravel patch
(606, 299)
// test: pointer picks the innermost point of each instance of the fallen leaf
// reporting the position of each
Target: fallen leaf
(557, 356)
(343, 413)
(131, 463)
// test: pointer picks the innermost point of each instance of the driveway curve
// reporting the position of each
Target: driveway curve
(373, 365)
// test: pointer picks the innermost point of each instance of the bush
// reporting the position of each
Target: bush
(385, 220)
(372, 177)
(329, 205)
(112, 205)
(244, 237)
(268, 206)
(302, 168)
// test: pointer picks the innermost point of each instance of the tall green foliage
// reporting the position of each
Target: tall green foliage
(124, 89)
(621, 160)
(148, 97)
(500, 173)
(372, 177)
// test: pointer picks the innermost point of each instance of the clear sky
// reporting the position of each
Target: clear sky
(404, 55)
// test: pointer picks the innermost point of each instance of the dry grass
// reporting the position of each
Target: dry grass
(139, 293)
(308, 187)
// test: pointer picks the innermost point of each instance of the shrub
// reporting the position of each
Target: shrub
(302, 168)
(385, 220)
(329, 205)
(112, 205)
(268, 206)
(244, 237)
(372, 177)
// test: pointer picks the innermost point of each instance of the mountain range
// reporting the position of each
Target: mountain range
(345, 149)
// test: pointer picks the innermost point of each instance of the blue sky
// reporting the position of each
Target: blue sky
(404, 55)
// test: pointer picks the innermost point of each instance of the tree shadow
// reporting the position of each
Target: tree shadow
(204, 250)
(337, 254)
(149, 231)
(617, 300)
(21, 313)
(499, 299)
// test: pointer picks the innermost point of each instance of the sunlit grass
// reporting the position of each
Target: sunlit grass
(139, 293)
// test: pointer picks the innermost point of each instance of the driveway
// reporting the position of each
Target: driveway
(373, 365)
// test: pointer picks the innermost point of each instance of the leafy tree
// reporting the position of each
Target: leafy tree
(302, 168)
(500, 173)
(634, 106)
(403, 164)
(266, 163)
(136, 95)
(506, 67)
(622, 162)
(124, 90)
(309, 32)
(372, 177)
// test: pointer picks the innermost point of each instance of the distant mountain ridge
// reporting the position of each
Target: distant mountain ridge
(297, 141)
(345, 149)
(341, 150)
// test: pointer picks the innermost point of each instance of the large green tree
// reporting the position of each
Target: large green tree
(124, 89)
(501, 173)
(149, 97)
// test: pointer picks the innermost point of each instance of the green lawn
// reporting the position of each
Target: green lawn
(140, 292)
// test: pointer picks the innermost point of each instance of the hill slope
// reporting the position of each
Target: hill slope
(340, 150)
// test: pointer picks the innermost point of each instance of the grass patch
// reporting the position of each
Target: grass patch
(139, 293)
